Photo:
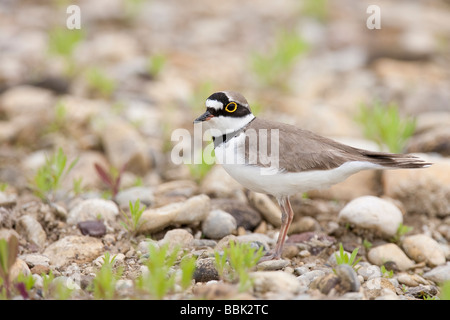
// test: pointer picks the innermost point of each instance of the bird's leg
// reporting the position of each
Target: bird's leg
(286, 218)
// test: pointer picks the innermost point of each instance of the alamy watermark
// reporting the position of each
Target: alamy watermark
(254, 148)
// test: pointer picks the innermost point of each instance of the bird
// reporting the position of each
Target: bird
(281, 160)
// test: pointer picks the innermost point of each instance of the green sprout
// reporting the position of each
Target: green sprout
(273, 68)
(401, 231)
(100, 83)
(8, 254)
(445, 291)
(386, 273)
(48, 177)
(199, 171)
(317, 9)
(60, 119)
(384, 125)
(132, 224)
(160, 278)
(62, 42)
(236, 261)
(155, 64)
(104, 284)
(343, 258)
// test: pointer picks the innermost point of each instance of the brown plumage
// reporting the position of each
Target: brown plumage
(303, 150)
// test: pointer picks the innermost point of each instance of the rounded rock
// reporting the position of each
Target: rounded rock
(73, 249)
(92, 209)
(390, 252)
(373, 213)
(205, 270)
(218, 224)
(32, 229)
(420, 248)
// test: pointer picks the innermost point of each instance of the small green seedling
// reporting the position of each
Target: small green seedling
(199, 171)
(48, 178)
(3, 186)
(236, 261)
(62, 42)
(384, 125)
(8, 254)
(133, 223)
(160, 278)
(445, 291)
(104, 284)
(272, 68)
(155, 65)
(367, 244)
(60, 118)
(343, 258)
(100, 83)
(53, 289)
(401, 231)
(386, 273)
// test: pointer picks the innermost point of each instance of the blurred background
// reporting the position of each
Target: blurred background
(113, 91)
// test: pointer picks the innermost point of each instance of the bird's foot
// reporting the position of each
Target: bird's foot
(271, 255)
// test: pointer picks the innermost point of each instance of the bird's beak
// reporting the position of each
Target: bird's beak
(204, 117)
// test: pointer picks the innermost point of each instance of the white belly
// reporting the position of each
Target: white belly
(286, 184)
(281, 183)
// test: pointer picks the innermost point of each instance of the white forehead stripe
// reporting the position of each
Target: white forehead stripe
(217, 105)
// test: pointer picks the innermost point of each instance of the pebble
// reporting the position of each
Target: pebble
(144, 194)
(348, 278)
(326, 283)
(425, 190)
(372, 213)
(218, 184)
(73, 249)
(192, 211)
(390, 252)
(421, 247)
(93, 228)
(275, 282)
(116, 135)
(369, 271)
(27, 101)
(32, 230)
(85, 170)
(177, 238)
(258, 239)
(271, 265)
(306, 278)
(439, 274)
(19, 266)
(411, 280)
(218, 224)
(268, 209)
(205, 270)
(93, 209)
(35, 259)
(304, 224)
(374, 288)
(243, 213)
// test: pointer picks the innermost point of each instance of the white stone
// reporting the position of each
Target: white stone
(421, 247)
(373, 213)
(93, 209)
(390, 252)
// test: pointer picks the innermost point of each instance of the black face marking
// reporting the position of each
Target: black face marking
(239, 111)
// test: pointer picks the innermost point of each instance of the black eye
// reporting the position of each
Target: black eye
(231, 107)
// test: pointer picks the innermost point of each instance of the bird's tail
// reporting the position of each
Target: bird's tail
(393, 160)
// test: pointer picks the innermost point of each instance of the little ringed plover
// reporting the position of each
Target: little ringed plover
(280, 159)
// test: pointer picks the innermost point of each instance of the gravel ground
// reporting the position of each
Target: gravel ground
(142, 71)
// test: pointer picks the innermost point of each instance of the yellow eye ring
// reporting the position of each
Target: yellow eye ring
(228, 109)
